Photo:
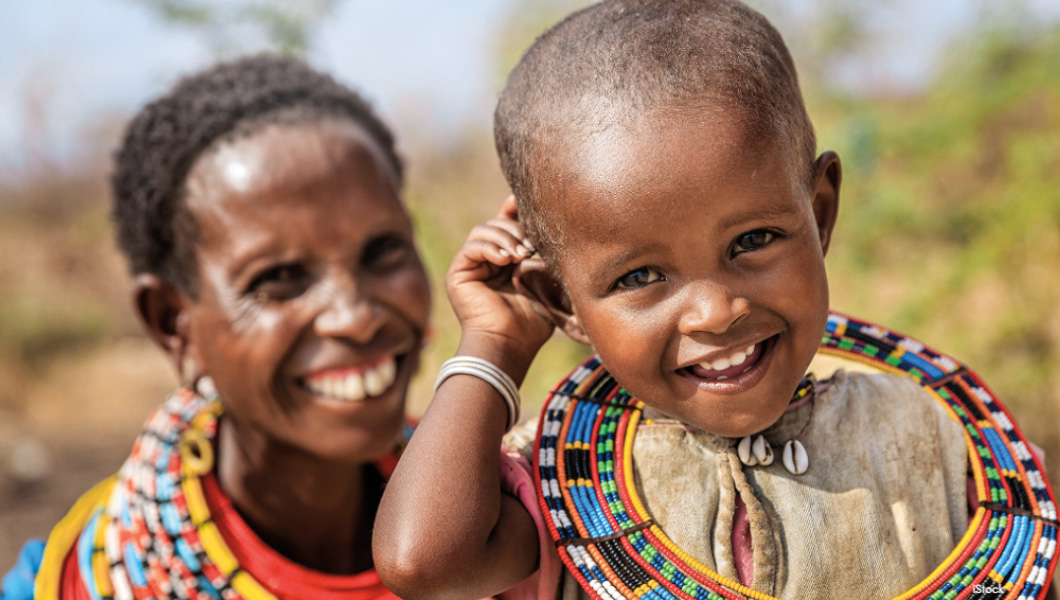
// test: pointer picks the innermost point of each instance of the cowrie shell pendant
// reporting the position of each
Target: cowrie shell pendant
(762, 451)
(795, 459)
(746, 453)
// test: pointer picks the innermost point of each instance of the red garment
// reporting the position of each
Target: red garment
(283, 578)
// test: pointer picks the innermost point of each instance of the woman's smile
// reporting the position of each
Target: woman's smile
(353, 383)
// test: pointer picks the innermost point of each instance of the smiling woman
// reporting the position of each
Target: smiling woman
(259, 206)
(311, 295)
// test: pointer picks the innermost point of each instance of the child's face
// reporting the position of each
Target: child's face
(313, 301)
(686, 243)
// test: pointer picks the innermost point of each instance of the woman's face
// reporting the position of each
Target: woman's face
(312, 300)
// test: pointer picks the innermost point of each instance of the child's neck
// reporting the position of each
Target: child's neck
(820, 386)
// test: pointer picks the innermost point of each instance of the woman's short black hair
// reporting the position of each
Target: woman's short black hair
(154, 229)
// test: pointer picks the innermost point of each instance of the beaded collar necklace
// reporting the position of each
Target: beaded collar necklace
(610, 544)
(147, 532)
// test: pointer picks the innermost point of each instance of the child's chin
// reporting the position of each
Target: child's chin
(737, 425)
(737, 432)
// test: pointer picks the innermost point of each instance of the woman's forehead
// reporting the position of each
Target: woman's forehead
(309, 177)
(285, 152)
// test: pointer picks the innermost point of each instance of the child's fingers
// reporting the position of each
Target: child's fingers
(478, 254)
(505, 234)
(512, 227)
(510, 218)
(508, 209)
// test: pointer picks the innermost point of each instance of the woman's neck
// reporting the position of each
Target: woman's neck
(316, 513)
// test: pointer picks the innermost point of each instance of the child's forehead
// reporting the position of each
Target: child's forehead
(667, 129)
(666, 166)
(670, 148)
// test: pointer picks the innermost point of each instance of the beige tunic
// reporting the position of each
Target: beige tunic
(882, 503)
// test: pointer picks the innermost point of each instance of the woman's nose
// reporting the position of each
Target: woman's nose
(710, 307)
(350, 312)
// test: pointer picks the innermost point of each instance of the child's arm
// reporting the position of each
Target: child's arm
(444, 527)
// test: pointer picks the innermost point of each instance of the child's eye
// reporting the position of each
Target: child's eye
(752, 240)
(639, 278)
(386, 252)
(280, 282)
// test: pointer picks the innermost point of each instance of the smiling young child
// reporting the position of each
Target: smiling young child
(259, 205)
(665, 169)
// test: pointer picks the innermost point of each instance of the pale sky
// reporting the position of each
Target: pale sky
(429, 65)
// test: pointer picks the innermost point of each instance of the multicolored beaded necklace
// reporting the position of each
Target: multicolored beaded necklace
(147, 532)
(612, 547)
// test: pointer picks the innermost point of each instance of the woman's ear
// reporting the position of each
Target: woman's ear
(828, 175)
(533, 279)
(163, 309)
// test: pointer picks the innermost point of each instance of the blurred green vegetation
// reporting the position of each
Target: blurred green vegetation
(950, 224)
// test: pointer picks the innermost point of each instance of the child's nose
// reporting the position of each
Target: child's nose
(350, 312)
(710, 307)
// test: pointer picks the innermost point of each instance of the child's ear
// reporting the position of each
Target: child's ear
(828, 174)
(163, 309)
(533, 279)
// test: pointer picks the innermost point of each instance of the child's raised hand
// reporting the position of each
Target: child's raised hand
(480, 288)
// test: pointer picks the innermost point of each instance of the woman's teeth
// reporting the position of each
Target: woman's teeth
(734, 359)
(352, 386)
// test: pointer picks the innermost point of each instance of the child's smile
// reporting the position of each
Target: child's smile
(693, 258)
(732, 371)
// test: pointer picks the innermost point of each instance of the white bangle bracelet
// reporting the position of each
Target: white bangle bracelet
(488, 372)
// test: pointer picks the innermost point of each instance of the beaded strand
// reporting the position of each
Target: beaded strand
(148, 532)
(613, 548)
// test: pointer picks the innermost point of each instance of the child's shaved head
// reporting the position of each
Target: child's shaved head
(616, 60)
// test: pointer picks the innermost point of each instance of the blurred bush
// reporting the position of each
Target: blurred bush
(950, 221)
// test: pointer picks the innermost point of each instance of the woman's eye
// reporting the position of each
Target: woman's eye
(752, 240)
(281, 282)
(639, 278)
(386, 252)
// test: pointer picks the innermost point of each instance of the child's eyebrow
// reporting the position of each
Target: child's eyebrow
(606, 270)
(773, 211)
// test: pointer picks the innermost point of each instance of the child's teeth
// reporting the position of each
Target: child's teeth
(736, 358)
